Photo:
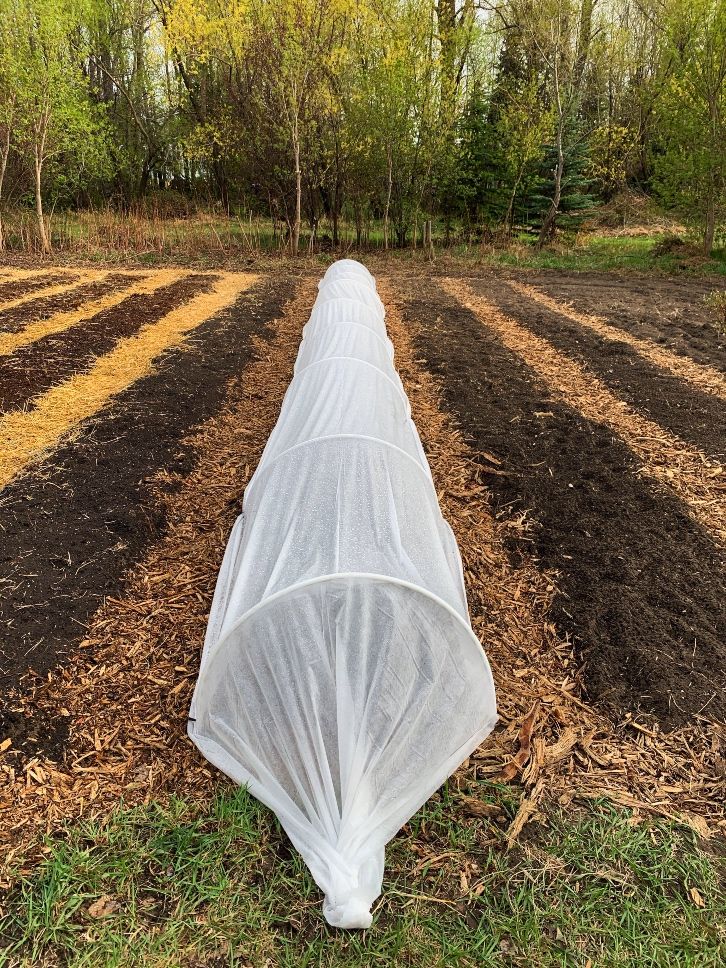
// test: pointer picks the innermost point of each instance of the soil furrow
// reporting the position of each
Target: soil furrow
(705, 378)
(25, 436)
(695, 416)
(74, 526)
(670, 313)
(35, 368)
(65, 286)
(127, 690)
(13, 320)
(15, 289)
(673, 463)
(639, 581)
(59, 322)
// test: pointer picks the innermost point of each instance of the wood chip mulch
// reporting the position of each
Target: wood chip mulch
(706, 378)
(549, 742)
(127, 695)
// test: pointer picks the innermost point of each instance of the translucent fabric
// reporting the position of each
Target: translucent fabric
(340, 679)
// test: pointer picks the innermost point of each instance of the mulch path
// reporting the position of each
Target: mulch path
(17, 288)
(13, 320)
(668, 311)
(125, 689)
(695, 416)
(75, 525)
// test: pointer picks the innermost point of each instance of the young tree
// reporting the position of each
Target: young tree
(690, 158)
(53, 114)
(287, 46)
(560, 33)
(524, 129)
(8, 106)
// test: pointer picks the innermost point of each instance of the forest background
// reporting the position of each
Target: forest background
(305, 124)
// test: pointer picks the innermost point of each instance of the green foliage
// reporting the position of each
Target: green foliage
(688, 155)
(401, 110)
(611, 150)
(577, 199)
(716, 303)
(473, 190)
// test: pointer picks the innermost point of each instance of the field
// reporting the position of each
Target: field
(575, 426)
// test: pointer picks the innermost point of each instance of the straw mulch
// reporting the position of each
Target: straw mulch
(11, 273)
(26, 435)
(81, 277)
(61, 321)
(549, 741)
(697, 479)
(706, 378)
(127, 693)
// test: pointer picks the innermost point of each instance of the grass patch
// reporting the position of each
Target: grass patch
(600, 253)
(218, 885)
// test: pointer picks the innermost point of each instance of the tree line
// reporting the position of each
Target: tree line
(488, 115)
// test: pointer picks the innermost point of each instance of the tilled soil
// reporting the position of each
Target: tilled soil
(668, 311)
(640, 585)
(16, 289)
(34, 368)
(697, 417)
(74, 526)
(13, 320)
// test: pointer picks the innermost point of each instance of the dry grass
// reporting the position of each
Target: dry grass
(697, 479)
(27, 434)
(61, 321)
(13, 274)
(703, 377)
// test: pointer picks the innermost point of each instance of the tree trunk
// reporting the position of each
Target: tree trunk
(44, 241)
(298, 194)
(509, 217)
(4, 155)
(548, 226)
(388, 201)
(710, 228)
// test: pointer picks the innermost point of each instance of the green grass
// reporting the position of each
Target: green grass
(219, 886)
(610, 253)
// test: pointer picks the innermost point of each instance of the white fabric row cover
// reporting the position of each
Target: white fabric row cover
(340, 679)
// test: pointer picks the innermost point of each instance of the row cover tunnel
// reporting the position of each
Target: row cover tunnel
(340, 678)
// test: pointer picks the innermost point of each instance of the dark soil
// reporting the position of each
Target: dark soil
(668, 311)
(697, 417)
(74, 527)
(640, 585)
(18, 288)
(39, 734)
(13, 320)
(40, 365)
